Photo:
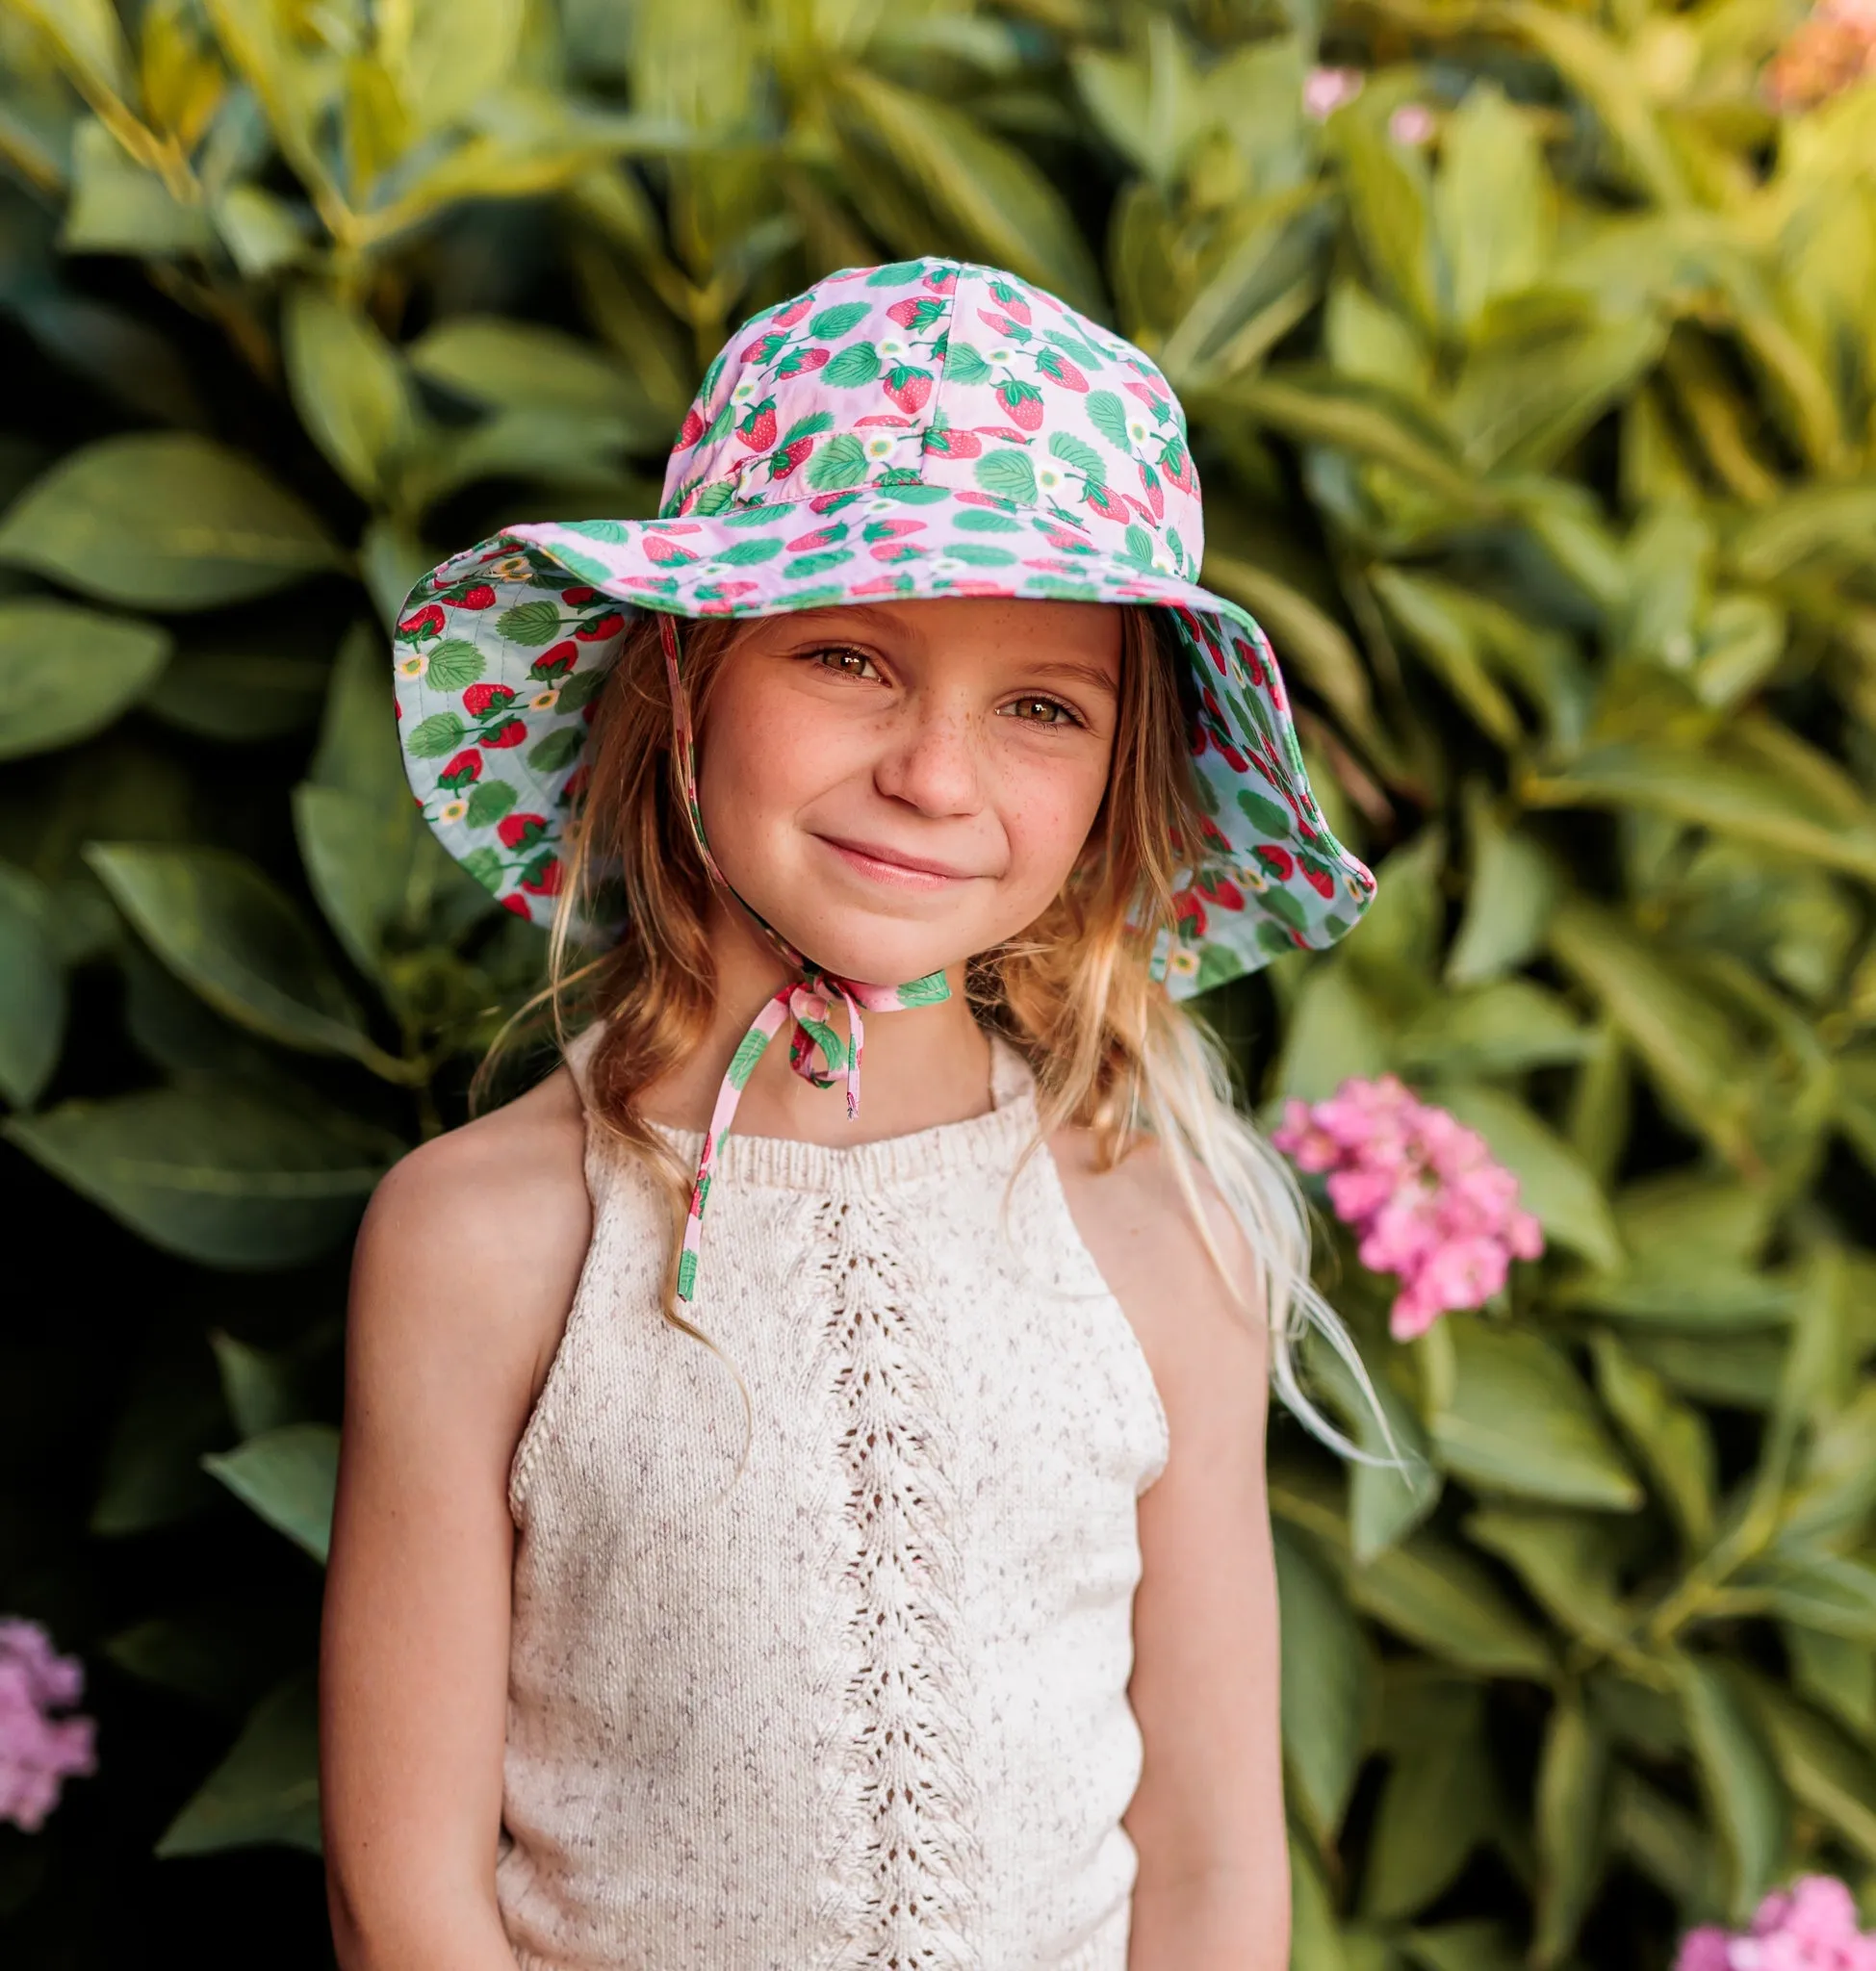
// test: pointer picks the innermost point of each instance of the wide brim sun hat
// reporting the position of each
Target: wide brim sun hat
(924, 429)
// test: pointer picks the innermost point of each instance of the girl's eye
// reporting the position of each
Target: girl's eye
(851, 663)
(1043, 711)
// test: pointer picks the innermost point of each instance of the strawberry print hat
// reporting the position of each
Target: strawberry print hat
(924, 429)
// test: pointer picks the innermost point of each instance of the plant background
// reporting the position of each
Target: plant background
(1536, 426)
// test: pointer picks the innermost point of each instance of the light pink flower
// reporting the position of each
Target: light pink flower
(1812, 1925)
(1412, 123)
(1421, 1192)
(1326, 89)
(37, 1752)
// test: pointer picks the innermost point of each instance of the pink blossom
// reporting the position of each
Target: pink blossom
(1812, 1925)
(1412, 124)
(1326, 89)
(1420, 1190)
(37, 1752)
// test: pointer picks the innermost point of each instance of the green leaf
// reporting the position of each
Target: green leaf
(1335, 1031)
(65, 673)
(1436, 1805)
(1324, 1685)
(1690, 1047)
(118, 207)
(1835, 1674)
(1821, 1590)
(233, 937)
(1670, 1440)
(1739, 1779)
(1507, 902)
(31, 988)
(1388, 204)
(1436, 622)
(286, 1476)
(220, 1174)
(1565, 1560)
(996, 201)
(239, 694)
(840, 462)
(358, 856)
(1078, 455)
(349, 388)
(1498, 1028)
(859, 363)
(1827, 1775)
(152, 1473)
(431, 738)
(531, 624)
(1519, 1420)
(1493, 201)
(1434, 1595)
(266, 1789)
(1571, 1819)
(506, 365)
(163, 519)
(1006, 475)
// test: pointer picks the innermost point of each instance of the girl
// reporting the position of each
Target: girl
(776, 1531)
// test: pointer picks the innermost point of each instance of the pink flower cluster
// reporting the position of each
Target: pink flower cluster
(1809, 1927)
(1420, 1191)
(37, 1752)
(1833, 49)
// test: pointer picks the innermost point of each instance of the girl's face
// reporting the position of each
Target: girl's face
(898, 786)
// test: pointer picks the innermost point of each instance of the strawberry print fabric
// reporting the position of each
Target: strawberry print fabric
(923, 429)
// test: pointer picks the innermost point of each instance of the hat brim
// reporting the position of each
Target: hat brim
(501, 650)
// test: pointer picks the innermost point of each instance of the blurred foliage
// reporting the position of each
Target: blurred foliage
(1534, 389)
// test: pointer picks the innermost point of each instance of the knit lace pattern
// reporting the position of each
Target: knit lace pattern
(898, 1806)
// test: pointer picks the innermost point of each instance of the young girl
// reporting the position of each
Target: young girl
(779, 1530)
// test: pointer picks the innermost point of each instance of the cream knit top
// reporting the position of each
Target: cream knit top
(868, 1708)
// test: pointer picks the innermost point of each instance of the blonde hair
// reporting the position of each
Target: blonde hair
(1109, 1049)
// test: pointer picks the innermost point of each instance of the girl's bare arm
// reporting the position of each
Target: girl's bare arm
(1212, 1890)
(464, 1269)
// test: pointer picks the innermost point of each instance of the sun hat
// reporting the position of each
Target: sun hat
(929, 428)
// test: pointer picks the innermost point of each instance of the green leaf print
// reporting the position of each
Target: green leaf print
(1079, 455)
(830, 323)
(686, 1274)
(581, 689)
(1008, 474)
(714, 498)
(978, 520)
(840, 462)
(454, 665)
(489, 803)
(557, 750)
(1108, 417)
(748, 1051)
(612, 531)
(926, 992)
(806, 565)
(439, 733)
(900, 274)
(981, 554)
(963, 365)
(857, 364)
(1139, 546)
(530, 623)
(809, 426)
(485, 866)
(746, 553)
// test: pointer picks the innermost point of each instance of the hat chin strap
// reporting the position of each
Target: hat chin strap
(816, 1052)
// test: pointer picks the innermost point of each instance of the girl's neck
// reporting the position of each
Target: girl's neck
(923, 1065)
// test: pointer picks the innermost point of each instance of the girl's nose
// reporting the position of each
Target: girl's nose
(933, 762)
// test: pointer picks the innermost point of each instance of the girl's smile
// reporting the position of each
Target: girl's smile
(882, 864)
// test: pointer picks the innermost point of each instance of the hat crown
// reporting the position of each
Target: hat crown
(944, 374)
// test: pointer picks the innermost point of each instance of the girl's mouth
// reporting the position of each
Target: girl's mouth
(884, 864)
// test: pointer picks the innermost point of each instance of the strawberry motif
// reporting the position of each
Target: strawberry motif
(796, 311)
(542, 878)
(907, 388)
(480, 700)
(1023, 401)
(462, 771)
(1010, 300)
(800, 361)
(766, 347)
(427, 620)
(1149, 481)
(952, 444)
(1318, 878)
(1224, 893)
(942, 279)
(1278, 861)
(521, 830)
(1053, 364)
(476, 596)
(666, 552)
(692, 428)
(510, 735)
(917, 314)
(609, 625)
(518, 906)
(789, 457)
(1109, 505)
(758, 429)
(551, 663)
(577, 594)
(821, 537)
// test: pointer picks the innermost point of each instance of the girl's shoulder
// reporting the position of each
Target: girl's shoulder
(476, 1239)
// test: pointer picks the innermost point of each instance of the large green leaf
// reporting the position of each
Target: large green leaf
(1826, 1774)
(503, 364)
(1566, 1560)
(1498, 1028)
(349, 388)
(65, 671)
(31, 988)
(1740, 1778)
(1519, 1420)
(237, 940)
(266, 1789)
(224, 1175)
(162, 520)
(287, 1475)
(1324, 1683)
(1436, 1595)
(1437, 1804)
(1670, 1437)
(1493, 201)
(1572, 1820)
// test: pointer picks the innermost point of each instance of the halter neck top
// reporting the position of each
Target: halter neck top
(867, 1707)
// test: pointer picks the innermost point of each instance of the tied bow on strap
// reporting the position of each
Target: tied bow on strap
(816, 1051)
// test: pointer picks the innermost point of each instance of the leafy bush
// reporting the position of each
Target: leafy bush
(1534, 381)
